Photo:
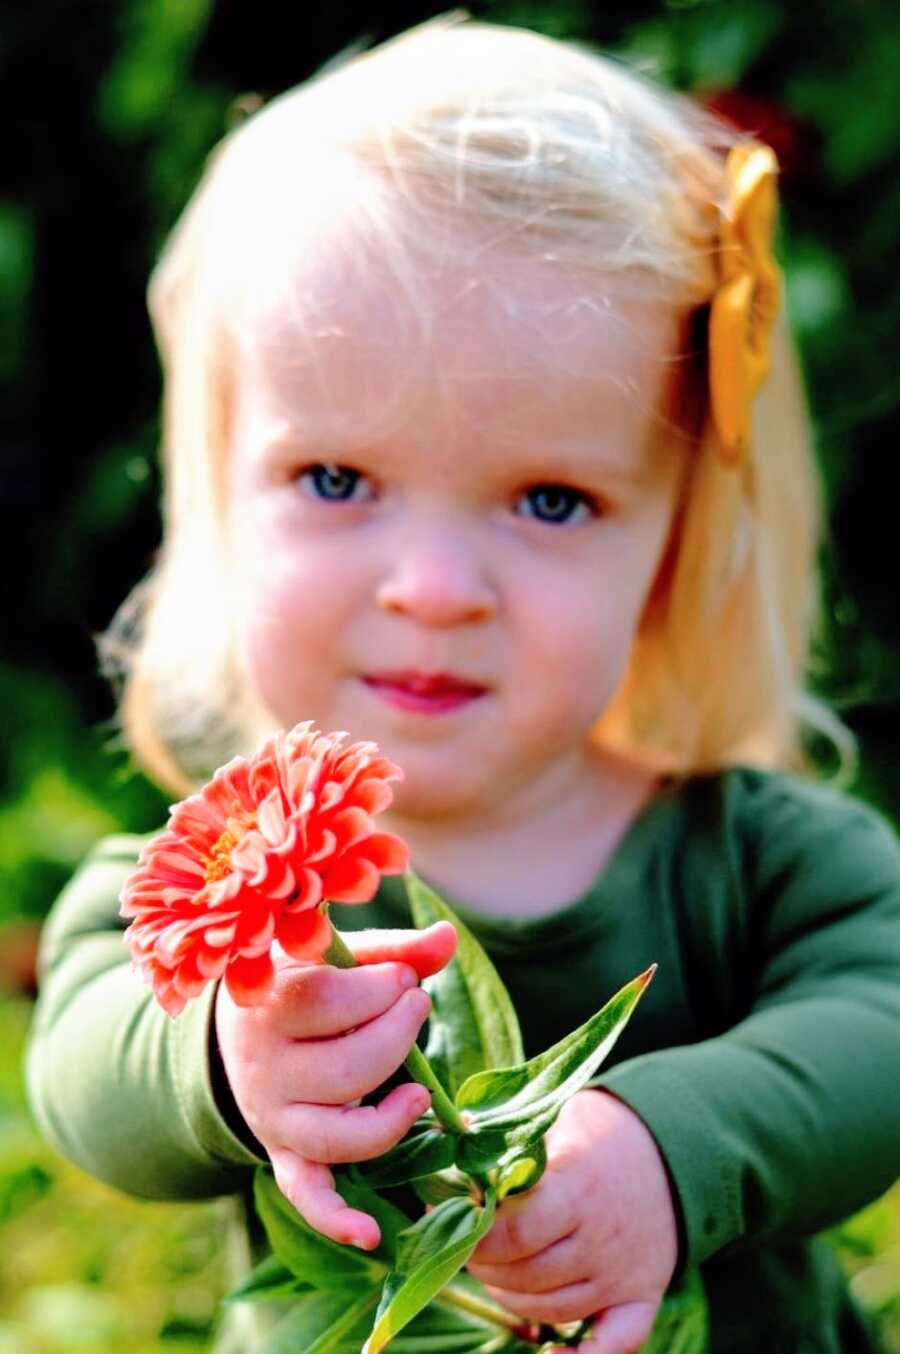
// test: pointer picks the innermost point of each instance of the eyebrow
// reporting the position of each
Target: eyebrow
(290, 435)
(570, 459)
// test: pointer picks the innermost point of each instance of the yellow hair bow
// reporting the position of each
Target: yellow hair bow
(747, 298)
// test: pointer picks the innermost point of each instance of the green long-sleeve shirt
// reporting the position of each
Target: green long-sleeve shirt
(765, 1056)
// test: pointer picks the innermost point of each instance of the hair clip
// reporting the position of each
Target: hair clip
(747, 297)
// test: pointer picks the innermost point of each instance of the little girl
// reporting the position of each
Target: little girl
(461, 347)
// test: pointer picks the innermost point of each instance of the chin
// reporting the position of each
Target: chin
(436, 793)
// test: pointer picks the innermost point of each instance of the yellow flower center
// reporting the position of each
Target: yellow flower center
(218, 862)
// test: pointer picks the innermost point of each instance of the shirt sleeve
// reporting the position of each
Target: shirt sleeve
(115, 1085)
(790, 1120)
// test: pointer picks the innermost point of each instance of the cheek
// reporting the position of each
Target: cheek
(288, 575)
(293, 600)
(576, 637)
(575, 621)
(288, 614)
(291, 654)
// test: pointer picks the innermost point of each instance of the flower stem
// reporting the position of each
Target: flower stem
(341, 956)
(420, 1068)
(338, 954)
(476, 1306)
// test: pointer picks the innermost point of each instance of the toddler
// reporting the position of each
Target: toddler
(462, 344)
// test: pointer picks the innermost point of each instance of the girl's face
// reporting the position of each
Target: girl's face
(444, 533)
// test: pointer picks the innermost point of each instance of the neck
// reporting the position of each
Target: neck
(535, 852)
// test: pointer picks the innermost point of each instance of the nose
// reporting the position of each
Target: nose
(436, 580)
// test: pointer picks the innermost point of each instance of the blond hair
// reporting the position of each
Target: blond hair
(587, 165)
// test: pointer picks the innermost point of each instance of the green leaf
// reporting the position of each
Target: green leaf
(521, 1169)
(391, 1220)
(429, 1254)
(323, 1323)
(482, 1150)
(511, 1167)
(440, 1228)
(449, 1184)
(270, 1279)
(473, 1024)
(464, 1342)
(424, 1152)
(521, 1103)
(682, 1323)
(440, 1330)
(304, 1251)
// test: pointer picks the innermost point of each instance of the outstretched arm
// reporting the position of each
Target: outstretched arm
(114, 1084)
(780, 1126)
(153, 1105)
(790, 1121)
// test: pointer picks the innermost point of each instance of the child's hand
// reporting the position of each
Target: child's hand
(596, 1234)
(325, 1037)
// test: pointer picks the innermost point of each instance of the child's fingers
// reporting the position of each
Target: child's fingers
(319, 1002)
(554, 1266)
(573, 1302)
(619, 1330)
(336, 1071)
(309, 1186)
(527, 1223)
(426, 951)
(330, 1134)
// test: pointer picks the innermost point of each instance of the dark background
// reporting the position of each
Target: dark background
(107, 110)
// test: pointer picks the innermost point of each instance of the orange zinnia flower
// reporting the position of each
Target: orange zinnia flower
(248, 860)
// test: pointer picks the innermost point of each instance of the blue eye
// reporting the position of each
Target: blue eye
(333, 483)
(556, 503)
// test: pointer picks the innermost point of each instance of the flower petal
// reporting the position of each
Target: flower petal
(387, 853)
(264, 777)
(220, 937)
(249, 981)
(270, 818)
(255, 926)
(212, 963)
(249, 858)
(350, 825)
(321, 845)
(373, 796)
(169, 999)
(308, 891)
(352, 879)
(304, 935)
(188, 980)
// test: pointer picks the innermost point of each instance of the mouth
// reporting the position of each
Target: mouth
(424, 692)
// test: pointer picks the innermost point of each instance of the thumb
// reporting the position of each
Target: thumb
(425, 951)
(621, 1330)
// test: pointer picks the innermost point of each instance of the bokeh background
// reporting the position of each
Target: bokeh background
(110, 107)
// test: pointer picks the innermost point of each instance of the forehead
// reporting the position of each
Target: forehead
(347, 333)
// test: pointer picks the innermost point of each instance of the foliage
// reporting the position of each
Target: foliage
(485, 1145)
(87, 1270)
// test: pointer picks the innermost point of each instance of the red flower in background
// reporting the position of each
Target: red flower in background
(248, 860)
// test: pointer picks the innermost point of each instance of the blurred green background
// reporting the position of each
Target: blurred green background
(109, 109)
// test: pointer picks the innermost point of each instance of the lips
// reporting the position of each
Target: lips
(426, 683)
(424, 693)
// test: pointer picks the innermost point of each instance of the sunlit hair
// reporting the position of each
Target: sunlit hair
(583, 165)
